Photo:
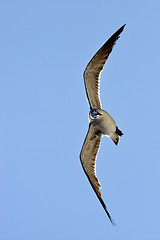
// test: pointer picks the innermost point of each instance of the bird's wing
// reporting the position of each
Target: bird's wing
(88, 160)
(94, 68)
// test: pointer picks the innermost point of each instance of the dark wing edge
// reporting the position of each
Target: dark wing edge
(94, 68)
(88, 161)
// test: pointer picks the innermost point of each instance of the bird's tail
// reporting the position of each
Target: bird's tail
(115, 136)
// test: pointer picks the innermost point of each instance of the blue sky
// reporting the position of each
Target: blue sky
(45, 47)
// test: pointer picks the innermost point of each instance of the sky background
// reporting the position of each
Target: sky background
(45, 47)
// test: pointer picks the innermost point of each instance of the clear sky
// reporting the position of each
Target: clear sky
(45, 47)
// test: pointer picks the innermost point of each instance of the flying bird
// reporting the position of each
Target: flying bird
(100, 122)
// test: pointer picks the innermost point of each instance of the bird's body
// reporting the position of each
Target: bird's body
(105, 124)
(100, 122)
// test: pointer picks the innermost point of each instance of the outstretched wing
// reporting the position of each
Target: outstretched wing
(94, 68)
(88, 160)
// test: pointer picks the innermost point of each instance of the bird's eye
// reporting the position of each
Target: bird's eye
(95, 113)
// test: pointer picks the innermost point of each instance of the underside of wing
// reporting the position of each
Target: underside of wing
(88, 160)
(94, 68)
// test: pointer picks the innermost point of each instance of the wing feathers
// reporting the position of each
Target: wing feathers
(94, 68)
(88, 157)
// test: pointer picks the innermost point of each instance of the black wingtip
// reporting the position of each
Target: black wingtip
(113, 223)
(118, 131)
(121, 28)
(118, 32)
(116, 35)
(105, 208)
(110, 218)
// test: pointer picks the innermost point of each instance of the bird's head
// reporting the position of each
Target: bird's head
(94, 114)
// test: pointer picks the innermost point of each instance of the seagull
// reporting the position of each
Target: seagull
(100, 122)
